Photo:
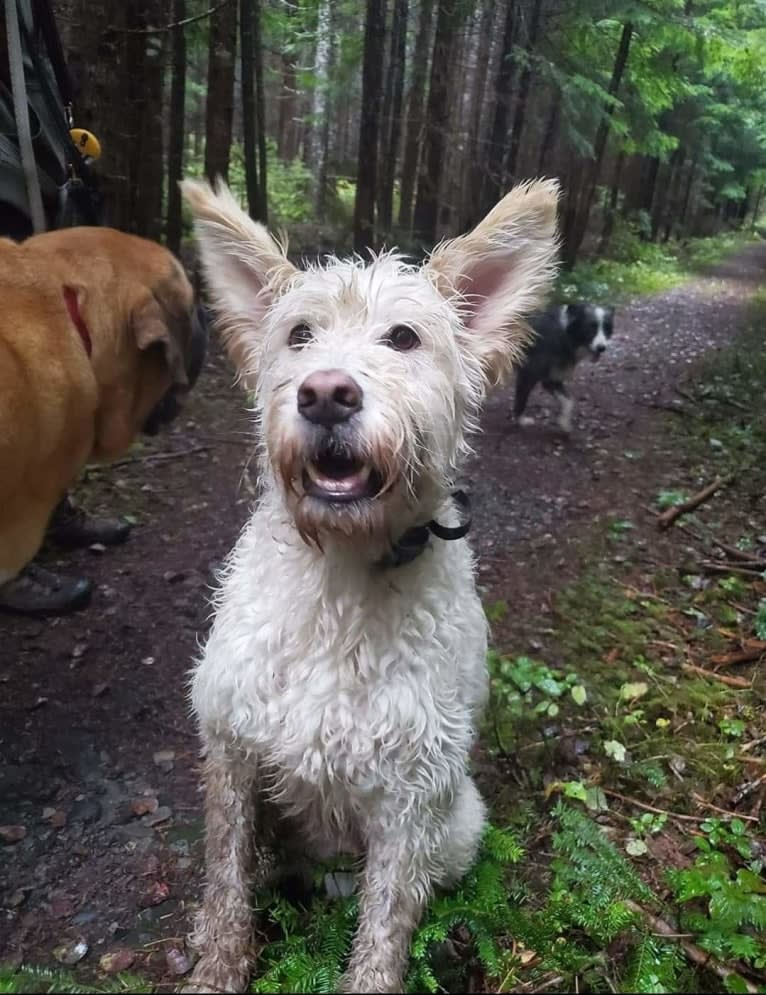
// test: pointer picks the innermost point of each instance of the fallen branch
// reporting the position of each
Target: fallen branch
(752, 743)
(175, 24)
(719, 399)
(666, 519)
(685, 393)
(746, 655)
(549, 983)
(732, 682)
(694, 953)
(159, 457)
(737, 554)
(674, 408)
(652, 808)
(709, 567)
(722, 811)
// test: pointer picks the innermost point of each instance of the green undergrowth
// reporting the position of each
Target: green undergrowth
(28, 980)
(622, 718)
(637, 267)
(310, 953)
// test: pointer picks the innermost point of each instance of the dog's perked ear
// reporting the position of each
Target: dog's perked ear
(500, 272)
(245, 268)
(152, 325)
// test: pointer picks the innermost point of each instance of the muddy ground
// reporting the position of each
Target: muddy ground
(98, 757)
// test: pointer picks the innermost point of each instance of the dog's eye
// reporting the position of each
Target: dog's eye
(300, 336)
(402, 338)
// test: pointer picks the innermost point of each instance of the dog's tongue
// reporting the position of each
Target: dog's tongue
(338, 477)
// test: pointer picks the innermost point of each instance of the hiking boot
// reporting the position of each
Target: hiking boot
(39, 592)
(71, 527)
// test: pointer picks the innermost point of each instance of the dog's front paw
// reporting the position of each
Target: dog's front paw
(370, 979)
(525, 421)
(211, 975)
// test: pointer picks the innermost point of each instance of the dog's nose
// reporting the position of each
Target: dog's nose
(328, 397)
(600, 348)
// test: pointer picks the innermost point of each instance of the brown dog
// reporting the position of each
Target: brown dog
(97, 336)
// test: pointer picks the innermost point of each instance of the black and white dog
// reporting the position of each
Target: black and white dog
(563, 336)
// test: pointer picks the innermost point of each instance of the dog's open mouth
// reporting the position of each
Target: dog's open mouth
(337, 475)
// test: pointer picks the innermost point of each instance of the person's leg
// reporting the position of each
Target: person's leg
(25, 587)
(72, 527)
(36, 591)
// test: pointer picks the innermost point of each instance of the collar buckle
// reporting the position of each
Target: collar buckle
(414, 541)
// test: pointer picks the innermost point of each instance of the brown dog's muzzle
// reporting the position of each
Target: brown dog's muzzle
(168, 407)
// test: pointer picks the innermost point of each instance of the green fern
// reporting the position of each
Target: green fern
(654, 966)
(481, 906)
(585, 909)
(723, 906)
(309, 961)
(502, 846)
(46, 980)
(314, 943)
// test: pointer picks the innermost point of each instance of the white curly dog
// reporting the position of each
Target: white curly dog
(340, 689)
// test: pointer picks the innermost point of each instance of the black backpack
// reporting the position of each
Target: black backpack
(68, 186)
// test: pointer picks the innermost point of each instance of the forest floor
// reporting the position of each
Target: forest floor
(99, 754)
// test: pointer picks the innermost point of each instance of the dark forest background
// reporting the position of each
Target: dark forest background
(400, 121)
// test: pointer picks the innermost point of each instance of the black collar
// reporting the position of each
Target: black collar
(414, 541)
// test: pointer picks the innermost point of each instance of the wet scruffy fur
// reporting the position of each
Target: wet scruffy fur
(338, 697)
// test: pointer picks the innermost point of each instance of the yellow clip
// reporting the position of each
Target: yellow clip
(86, 142)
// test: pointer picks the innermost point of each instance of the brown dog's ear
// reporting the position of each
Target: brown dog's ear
(499, 273)
(151, 326)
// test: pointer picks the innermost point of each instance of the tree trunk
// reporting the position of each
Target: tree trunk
(287, 137)
(671, 208)
(450, 184)
(574, 238)
(573, 186)
(757, 206)
(475, 152)
(95, 42)
(260, 114)
(550, 135)
(649, 184)
(176, 130)
(666, 188)
(416, 101)
(437, 123)
(496, 155)
(392, 117)
(249, 121)
(688, 194)
(369, 126)
(611, 210)
(219, 110)
(319, 118)
(146, 60)
(521, 100)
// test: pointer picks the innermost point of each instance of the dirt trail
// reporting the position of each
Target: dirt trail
(93, 714)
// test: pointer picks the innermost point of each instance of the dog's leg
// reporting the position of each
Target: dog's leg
(234, 865)
(567, 406)
(394, 889)
(403, 865)
(524, 385)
